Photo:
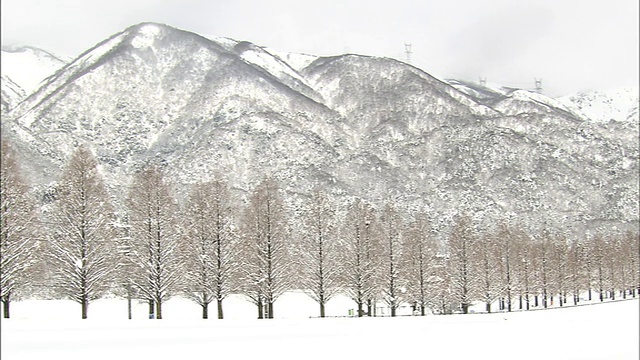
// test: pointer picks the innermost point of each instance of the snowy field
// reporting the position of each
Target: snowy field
(52, 330)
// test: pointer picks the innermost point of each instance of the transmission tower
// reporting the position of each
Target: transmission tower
(538, 85)
(483, 81)
(408, 52)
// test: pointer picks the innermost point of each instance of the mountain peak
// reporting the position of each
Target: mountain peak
(147, 33)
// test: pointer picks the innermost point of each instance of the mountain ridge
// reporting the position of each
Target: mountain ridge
(360, 126)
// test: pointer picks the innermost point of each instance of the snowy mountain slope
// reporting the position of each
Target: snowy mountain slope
(527, 102)
(297, 61)
(152, 88)
(26, 67)
(272, 64)
(370, 91)
(483, 94)
(360, 126)
(12, 94)
(620, 105)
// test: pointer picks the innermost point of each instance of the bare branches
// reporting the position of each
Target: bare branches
(17, 242)
(82, 242)
(209, 246)
(318, 255)
(265, 248)
(154, 238)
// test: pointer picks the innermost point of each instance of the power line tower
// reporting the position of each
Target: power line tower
(483, 81)
(538, 85)
(408, 52)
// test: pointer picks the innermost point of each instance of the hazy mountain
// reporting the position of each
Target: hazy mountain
(23, 70)
(357, 125)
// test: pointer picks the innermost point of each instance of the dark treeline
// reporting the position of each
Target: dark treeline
(80, 245)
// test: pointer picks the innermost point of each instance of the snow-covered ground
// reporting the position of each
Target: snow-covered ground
(52, 330)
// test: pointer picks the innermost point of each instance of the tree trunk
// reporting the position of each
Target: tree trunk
(85, 305)
(220, 313)
(205, 311)
(488, 307)
(129, 312)
(260, 310)
(270, 309)
(159, 309)
(465, 308)
(151, 309)
(393, 311)
(322, 309)
(5, 307)
(360, 311)
(535, 300)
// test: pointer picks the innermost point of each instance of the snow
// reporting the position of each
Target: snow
(146, 36)
(297, 61)
(225, 42)
(270, 63)
(52, 329)
(525, 95)
(603, 106)
(27, 67)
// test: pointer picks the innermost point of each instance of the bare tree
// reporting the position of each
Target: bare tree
(599, 250)
(420, 262)
(83, 243)
(487, 266)
(526, 268)
(440, 285)
(17, 243)
(266, 261)
(359, 256)
(631, 249)
(461, 246)
(154, 238)
(126, 265)
(209, 246)
(575, 265)
(319, 250)
(561, 269)
(393, 273)
(507, 244)
(543, 251)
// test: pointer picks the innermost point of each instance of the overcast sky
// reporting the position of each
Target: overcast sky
(571, 44)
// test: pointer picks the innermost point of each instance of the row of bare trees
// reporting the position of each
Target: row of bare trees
(212, 244)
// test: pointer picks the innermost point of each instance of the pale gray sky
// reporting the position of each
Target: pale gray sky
(571, 44)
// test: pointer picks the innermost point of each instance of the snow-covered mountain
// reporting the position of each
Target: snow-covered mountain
(619, 105)
(12, 94)
(357, 125)
(23, 70)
